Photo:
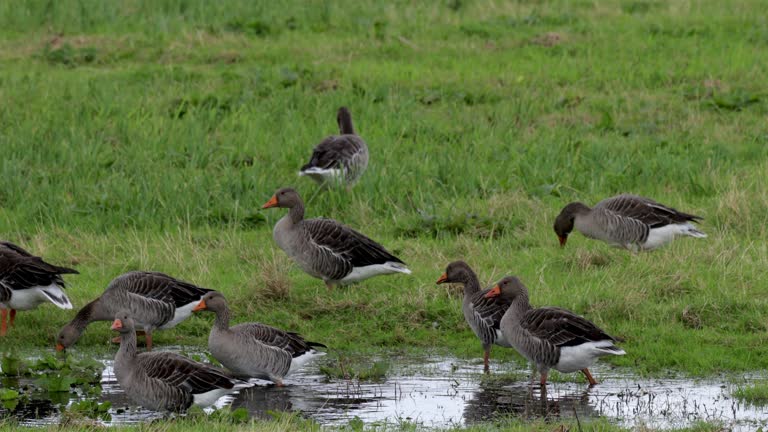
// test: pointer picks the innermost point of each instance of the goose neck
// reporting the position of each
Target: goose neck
(296, 213)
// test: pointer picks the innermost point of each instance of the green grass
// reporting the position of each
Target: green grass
(755, 394)
(146, 135)
(290, 422)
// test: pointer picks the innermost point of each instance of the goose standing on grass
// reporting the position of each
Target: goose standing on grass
(327, 249)
(254, 350)
(341, 157)
(26, 281)
(165, 381)
(482, 314)
(627, 221)
(156, 301)
(550, 337)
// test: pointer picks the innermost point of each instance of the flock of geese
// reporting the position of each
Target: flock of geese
(549, 337)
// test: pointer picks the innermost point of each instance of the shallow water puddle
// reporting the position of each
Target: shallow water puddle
(440, 392)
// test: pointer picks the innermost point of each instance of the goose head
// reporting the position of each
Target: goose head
(564, 221)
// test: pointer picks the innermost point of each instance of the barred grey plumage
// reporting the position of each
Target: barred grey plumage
(254, 350)
(165, 381)
(482, 314)
(155, 300)
(26, 281)
(342, 157)
(550, 337)
(629, 221)
(327, 249)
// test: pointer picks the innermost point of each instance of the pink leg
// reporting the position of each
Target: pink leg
(543, 380)
(591, 380)
(486, 358)
(148, 338)
(3, 314)
(13, 317)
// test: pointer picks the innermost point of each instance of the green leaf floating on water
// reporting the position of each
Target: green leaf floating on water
(92, 408)
(8, 394)
(12, 365)
(55, 383)
(48, 362)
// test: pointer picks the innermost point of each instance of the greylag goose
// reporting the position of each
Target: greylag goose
(156, 301)
(254, 350)
(482, 314)
(26, 281)
(629, 221)
(341, 157)
(327, 249)
(550, 337)
(165, 381)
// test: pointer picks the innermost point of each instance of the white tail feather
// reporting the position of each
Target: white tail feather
(693, 232)
(56, 296)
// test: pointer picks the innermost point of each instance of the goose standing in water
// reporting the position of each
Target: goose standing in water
(327, 249)
(550, 337)
(254, 350)
(337, 158)
(26, 281)
(156, 301)
(481, 313)
(165, 381)
(627, 221)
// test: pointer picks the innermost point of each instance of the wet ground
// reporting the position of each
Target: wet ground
(441, 392)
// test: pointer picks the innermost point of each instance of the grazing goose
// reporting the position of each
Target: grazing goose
(254, 350)
(550, 337)
(482, 314)
(327, 249)
(627, 221)
(156, 301)
(26, 281)
(338, 157)
(165, 381)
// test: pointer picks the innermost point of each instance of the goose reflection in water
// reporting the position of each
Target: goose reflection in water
(521, 400)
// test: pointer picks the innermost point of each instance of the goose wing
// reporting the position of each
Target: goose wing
(488, 313)
(645, 210)
(340, 248)
(336, 151)
(161, 287)
(179, 371)
(21, 270)
(561, 327)
(290, 342)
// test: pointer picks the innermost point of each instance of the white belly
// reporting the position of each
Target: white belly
(576, 358)
(298, 362)
(658, 237)
(180, 315)
(365, 272)
(322, 175)
(31, 298)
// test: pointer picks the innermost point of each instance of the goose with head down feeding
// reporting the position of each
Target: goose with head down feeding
(551, 337)
(481, 313)
(26, 281)
(254, 350)
(628, 221)
(327, 249)
(338, 158)
(165, 381)
(156, 301)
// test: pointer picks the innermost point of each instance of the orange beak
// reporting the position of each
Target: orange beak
(494, 292)
(59, 347)
(562, 240)
(271, 203)
(200, 306)
(117, 325)
(443, 279)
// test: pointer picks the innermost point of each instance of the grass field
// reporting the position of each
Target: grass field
(147, 134)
